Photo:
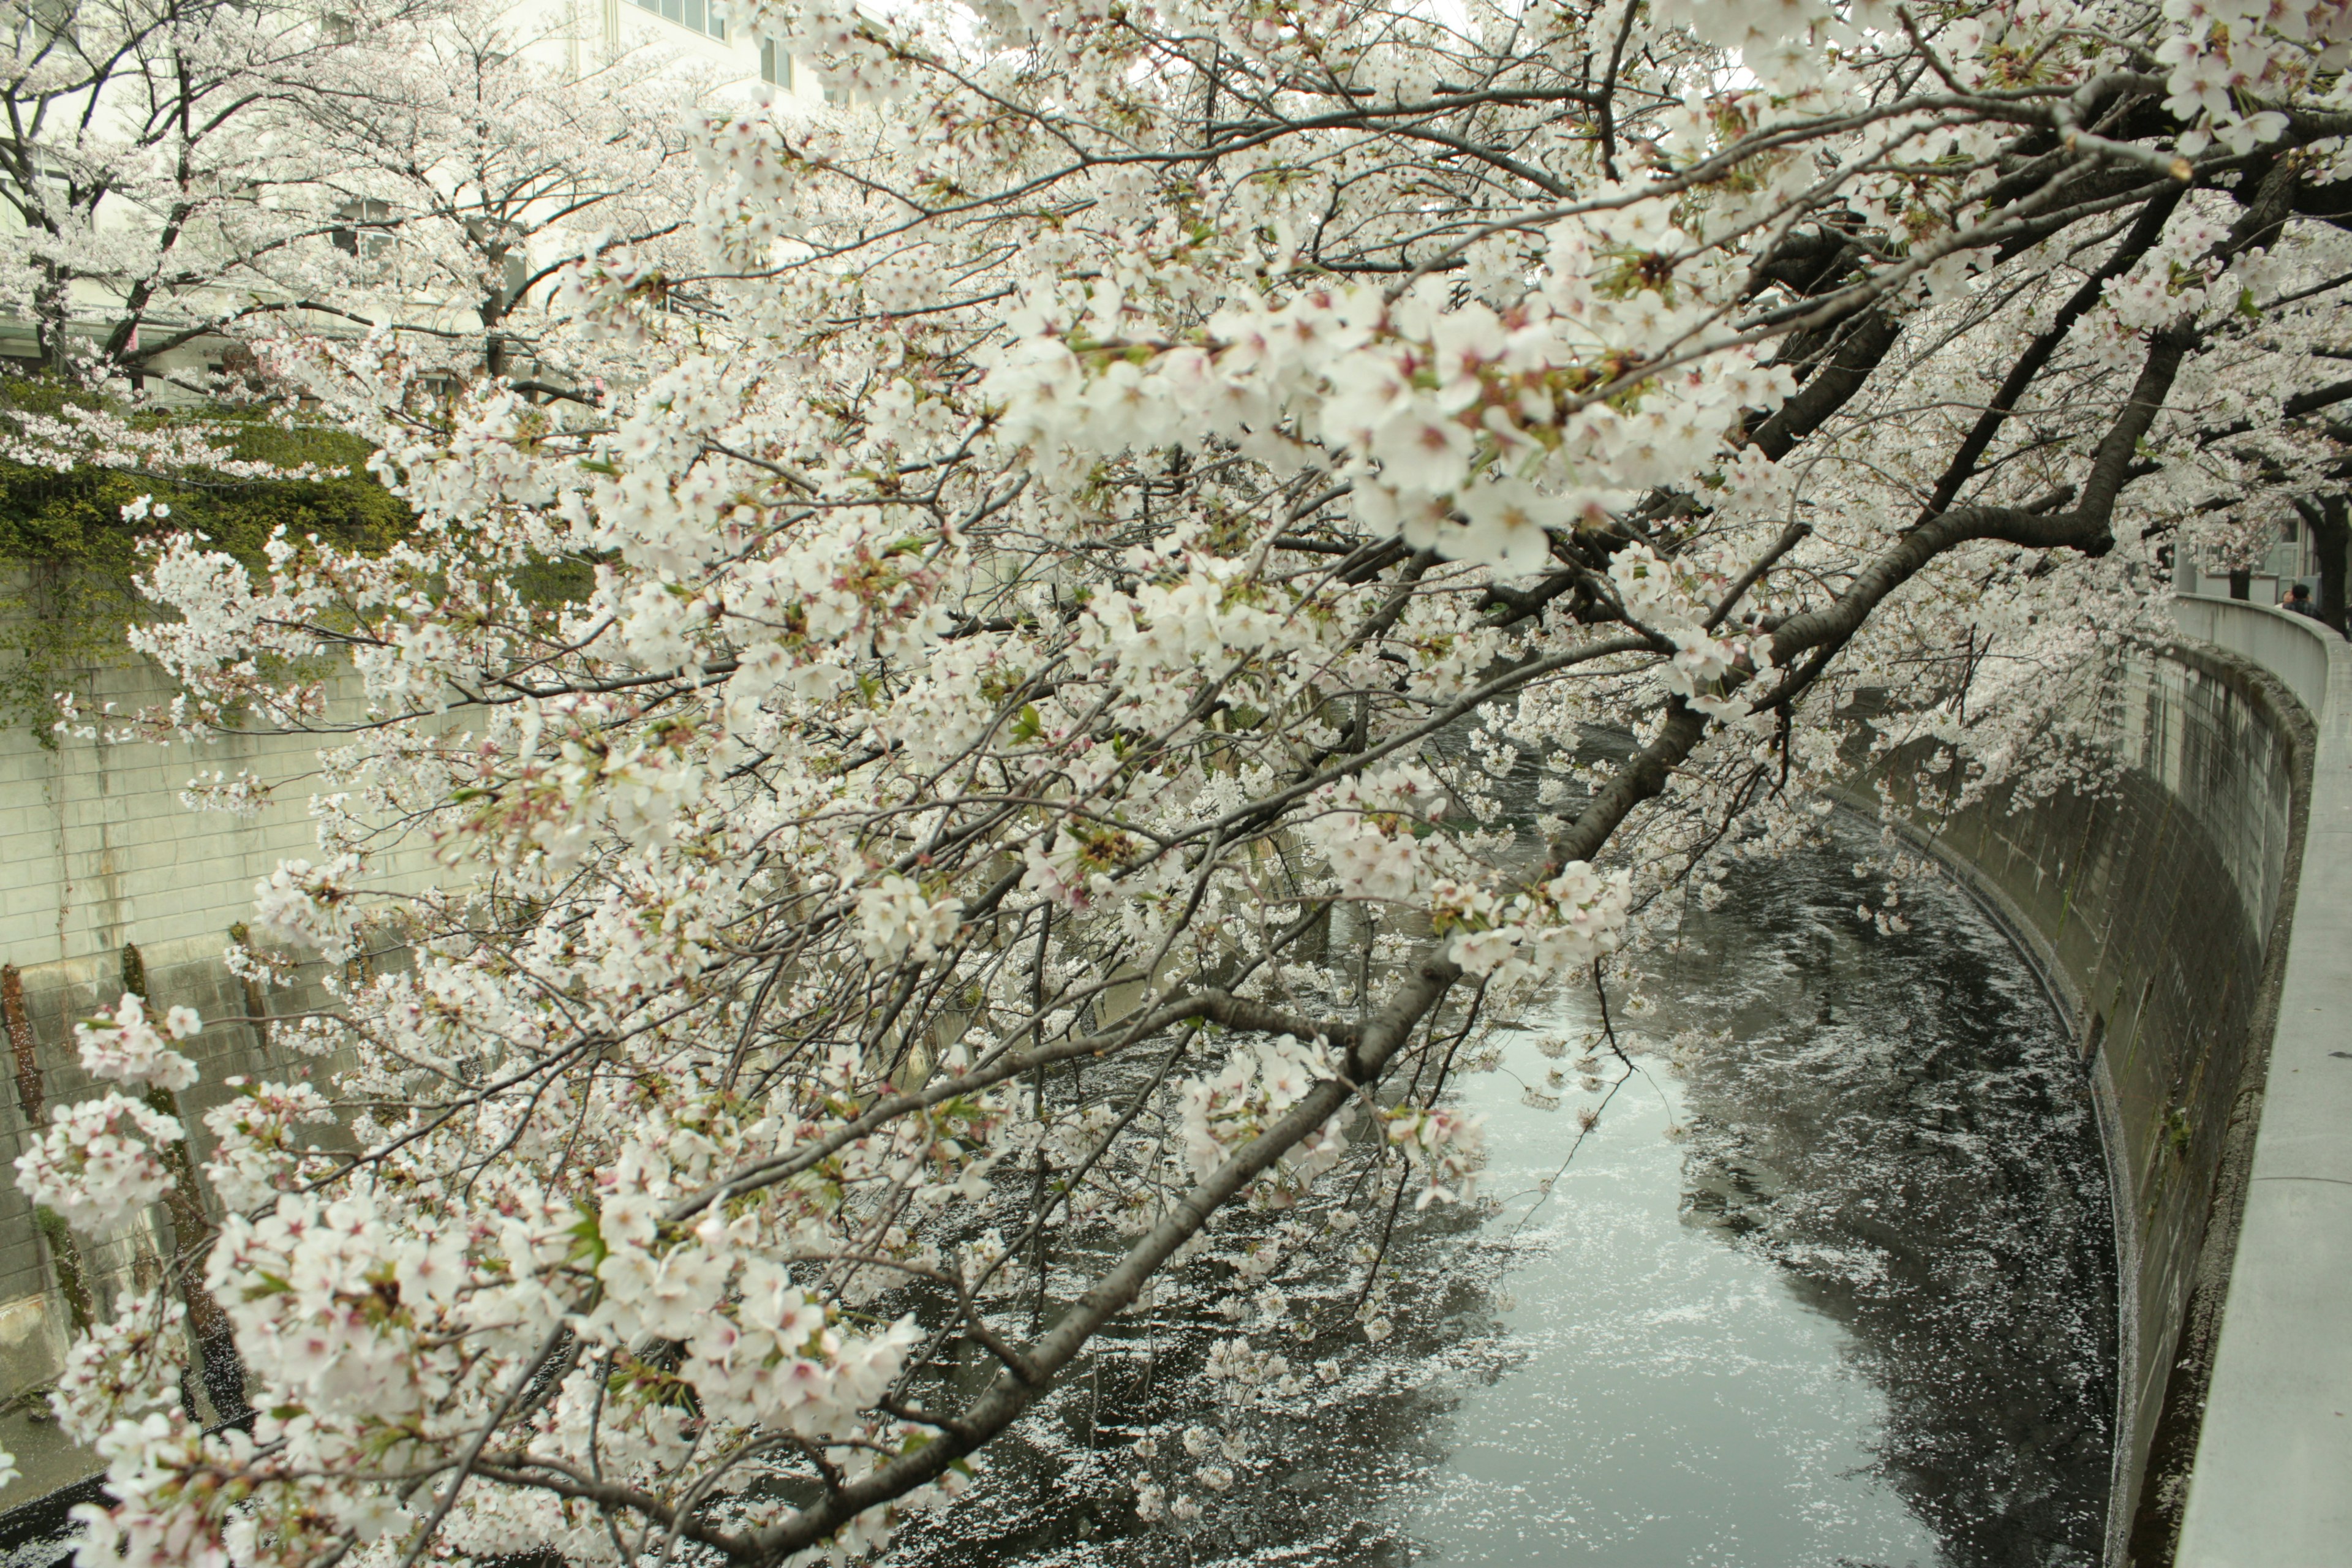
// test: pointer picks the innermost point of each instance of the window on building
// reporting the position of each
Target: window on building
(338, 28)
(362, 231)
(52, 193)
(775, 63)
(57, 182)
(699, 14)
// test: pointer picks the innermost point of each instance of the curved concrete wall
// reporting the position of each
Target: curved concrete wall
(2169, 917)
(2153, 907)
(2272, 1482)
(2297, 650)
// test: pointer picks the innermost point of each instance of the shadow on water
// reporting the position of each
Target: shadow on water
(1902, 1128)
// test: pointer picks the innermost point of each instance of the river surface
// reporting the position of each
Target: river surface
(1830, 1281)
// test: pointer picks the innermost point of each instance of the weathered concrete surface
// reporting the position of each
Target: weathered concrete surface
(2156, 902)
(126, 1255)
(2196, 920)
(98, 849)
(2271, 1486)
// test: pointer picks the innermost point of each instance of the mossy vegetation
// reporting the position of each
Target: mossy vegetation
(68, 558)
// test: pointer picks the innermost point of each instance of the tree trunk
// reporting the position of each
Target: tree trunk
(53, 320)
(2241, 582)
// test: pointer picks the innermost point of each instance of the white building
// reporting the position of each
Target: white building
(698, 30)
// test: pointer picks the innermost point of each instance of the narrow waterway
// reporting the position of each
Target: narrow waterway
(1812, 1266)
(1830, 1281)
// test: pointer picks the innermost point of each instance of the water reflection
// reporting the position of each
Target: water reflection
(1675, 1402)
(1831, 1282)
(1862, 1314)
(1902, 1127)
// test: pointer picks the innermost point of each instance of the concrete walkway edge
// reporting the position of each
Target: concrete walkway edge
(2271, 1486)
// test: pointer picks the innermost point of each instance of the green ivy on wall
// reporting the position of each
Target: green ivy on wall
(68, 557)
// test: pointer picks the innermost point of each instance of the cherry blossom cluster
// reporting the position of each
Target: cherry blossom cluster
(1253, 1088)
(1374, 831)
(122, 1370)
(1559, 925)
(897, 919)
(308, 905)
(1445, 1149)
(1452, 418)
(986, 672)
(99, 1160)
(778, 1362)
(125, 1046)
(255, 1148)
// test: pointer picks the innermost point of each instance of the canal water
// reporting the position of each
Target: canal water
(1812, 1266)
(1829, 1281)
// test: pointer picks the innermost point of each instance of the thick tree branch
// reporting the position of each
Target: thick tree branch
(2084, 528)
(1007, 1397)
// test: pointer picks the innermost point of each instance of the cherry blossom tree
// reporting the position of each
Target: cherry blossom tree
(137, 173)
(196, 180)
(1138, 587)
(460, 170)
(428, 167)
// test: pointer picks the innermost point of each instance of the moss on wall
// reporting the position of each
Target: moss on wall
(68, 557)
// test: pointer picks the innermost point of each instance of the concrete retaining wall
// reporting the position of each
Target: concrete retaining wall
(237, 1040)
(97, 849)
(2153, 908)
(2272, 1482)
(2171, 917)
